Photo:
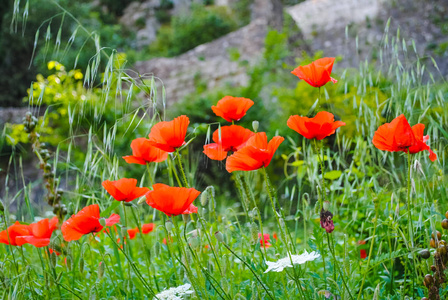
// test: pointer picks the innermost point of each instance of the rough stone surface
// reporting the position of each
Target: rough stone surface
(209, 62)
(354, 28)
(142, 12)
(12, 115)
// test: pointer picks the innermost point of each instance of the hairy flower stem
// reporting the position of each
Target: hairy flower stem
(250, 269)
(249, 195)
(411, 225)
(132, 264)
(370, 252)
(150, 180)
(321, 201)
(181, 167)
(283, 233)
(53, 271)
(244, 200)
(181, 248)
(337, 266)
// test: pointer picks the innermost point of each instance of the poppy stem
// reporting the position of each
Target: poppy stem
(321, 202)
(284, 233)
(411, 226)
(150, 180)
(250, 195)
(173, 168)
(370, 250)
(250, 268)
(181, 167)
(336, 265)
(244, 200)
(132, 264)
(53, 271)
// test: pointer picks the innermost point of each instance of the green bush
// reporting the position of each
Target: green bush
(201, 25)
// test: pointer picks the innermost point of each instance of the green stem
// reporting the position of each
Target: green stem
(336, 265)
(181, 167)
(370, 253)
(131, 263)
(250, 268)
(411, 225)
(283, 233)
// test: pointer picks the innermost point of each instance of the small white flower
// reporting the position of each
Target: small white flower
(175, 293)
(279, 265)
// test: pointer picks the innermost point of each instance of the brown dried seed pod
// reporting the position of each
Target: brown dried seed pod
(442, 249)
(425, 254)
(432, 243)
(439, 235)
(446, 215)
(445, 223)
(428, 281)
(433, 268)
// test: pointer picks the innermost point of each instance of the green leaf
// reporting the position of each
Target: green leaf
(333, 175)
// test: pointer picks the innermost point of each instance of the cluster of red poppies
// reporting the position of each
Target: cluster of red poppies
(248, 151)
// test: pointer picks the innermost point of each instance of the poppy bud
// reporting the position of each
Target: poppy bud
(69, 263)
(102, 222)
(157, 249)
(128, 204)
(254, 232)
(204, 198)
(53, 259)
(124, 232)
(186, 218)
(439, 235)
(255, 125)
(169, 225)
(141, 200)
(100, 270)
(219, 236)
(194, 241)
(425, 254)
(428, 281)
(81, 265)
(445, 224)
(2, 207)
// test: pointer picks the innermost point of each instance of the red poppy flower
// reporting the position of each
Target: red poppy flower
(144, 152)
(232, 138)
(39, 233)
(84, 222)
(172, 200)
(124, 189)
(317, 73)
(133, 233)
(255, 154)
(362, 253)
(147, 228)
(420, 142)
(232, 108)
(10, 235)
(319, 127)
(54, 251)
(264, 242)
(398, 135)
(170, 135)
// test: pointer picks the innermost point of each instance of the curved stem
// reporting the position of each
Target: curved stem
(336, 265)
(250, 268)
(370, 253)
(181, 167)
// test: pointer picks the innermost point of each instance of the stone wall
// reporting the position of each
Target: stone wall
(211, 62)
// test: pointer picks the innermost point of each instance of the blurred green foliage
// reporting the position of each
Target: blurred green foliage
(202, 24)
